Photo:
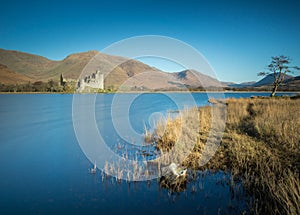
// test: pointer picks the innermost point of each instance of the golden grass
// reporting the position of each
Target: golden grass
(260, 145)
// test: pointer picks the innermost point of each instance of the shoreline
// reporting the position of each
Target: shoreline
(259, 146)
(143, 92)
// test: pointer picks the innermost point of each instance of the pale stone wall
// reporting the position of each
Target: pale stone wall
(95, 81)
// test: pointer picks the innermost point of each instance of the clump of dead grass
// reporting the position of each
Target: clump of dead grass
(260, 145)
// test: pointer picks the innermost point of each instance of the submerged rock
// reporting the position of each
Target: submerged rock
(173, 177)
(173, 169)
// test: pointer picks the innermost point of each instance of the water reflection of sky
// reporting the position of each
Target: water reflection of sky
(44, 171)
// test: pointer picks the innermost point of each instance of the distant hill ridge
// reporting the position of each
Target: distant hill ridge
(33, 68)
(19, 67)
(269, 79)
(40, 68)
(10, 77)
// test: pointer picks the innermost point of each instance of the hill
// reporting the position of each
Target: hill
(8, 76)
(242, 85)
(290, 83)
(40, 68)
(26, 64)
(18, 67)
(153, 79)
(131, 74)
(192, 78)
(269, 80)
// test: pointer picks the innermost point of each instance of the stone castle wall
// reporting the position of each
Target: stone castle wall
(95, 81)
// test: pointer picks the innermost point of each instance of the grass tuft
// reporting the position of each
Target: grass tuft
(260, 145)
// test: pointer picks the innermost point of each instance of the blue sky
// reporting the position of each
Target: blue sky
(236, 37)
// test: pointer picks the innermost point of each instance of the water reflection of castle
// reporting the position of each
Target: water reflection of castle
(95, 81)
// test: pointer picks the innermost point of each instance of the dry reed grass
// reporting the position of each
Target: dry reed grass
(260, 145)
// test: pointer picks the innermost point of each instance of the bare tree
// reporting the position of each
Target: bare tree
(279, 67)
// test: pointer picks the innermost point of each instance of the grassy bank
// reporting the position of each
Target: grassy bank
(260, 146)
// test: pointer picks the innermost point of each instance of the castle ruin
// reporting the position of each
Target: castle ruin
(94, 81)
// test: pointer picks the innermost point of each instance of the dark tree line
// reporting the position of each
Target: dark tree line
(38, 86)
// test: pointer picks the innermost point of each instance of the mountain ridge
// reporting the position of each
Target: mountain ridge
(12, 77)
(117, 70)
(20, 67)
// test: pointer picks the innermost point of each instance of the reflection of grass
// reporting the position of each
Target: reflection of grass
(260, 145)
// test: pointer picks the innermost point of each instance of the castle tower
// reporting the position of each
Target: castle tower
(101, 81)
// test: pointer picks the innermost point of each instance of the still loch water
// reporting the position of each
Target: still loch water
(44, 171)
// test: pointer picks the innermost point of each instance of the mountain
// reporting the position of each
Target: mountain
(242, 85)
(8, 76)
(227, 83)
(293, 80)
(131, 74)
(131, 69)
(25, 64)
(291, 84)
(40, 68)
(119, 72)
(153, 79)
(70, 67)
(269, 80)
(192, 78)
